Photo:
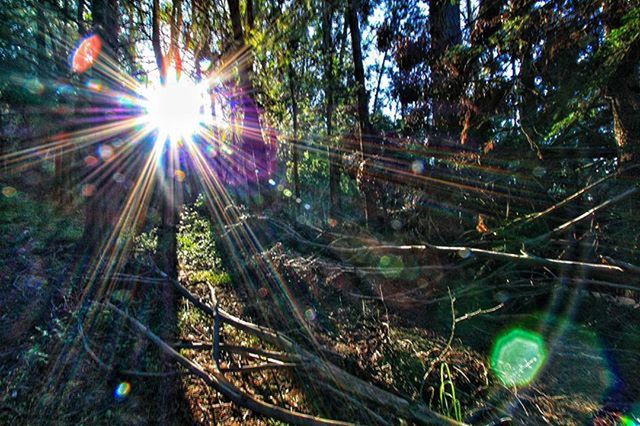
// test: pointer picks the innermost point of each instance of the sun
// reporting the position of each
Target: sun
(177, 109)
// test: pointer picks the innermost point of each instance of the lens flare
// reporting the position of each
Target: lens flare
(518, 356)
(86, 54)
(177, 109)
(122, 390)
(9, 191)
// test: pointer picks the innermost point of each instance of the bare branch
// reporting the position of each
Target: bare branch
(251, 368)
(222, 385)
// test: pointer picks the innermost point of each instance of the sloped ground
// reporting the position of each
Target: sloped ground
(384, 327)
(378, 322)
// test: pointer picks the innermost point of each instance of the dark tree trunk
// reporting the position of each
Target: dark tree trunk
(155, 41)
(623, 91)
(171, 202)
(250, 14)
(295, 150)
(485, 98)
(487, 22)
(366, 149)
(444, 16)
(333, 152)
(106, 19)
(176, 28)
(258, 158)
(103, 206)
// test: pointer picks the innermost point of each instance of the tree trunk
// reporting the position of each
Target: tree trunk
(155, 41)
(103, 206)
(333, 152)
(294, 140)
(250, 14)
(484, 99)
(383, 65)
(176, 28)
(365, 182)
(171, 201)
(623, 91)
(257, 162)
(444, 16)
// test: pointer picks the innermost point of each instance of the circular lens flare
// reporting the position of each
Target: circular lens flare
(122, 390)
(518, 356)
(86, 54)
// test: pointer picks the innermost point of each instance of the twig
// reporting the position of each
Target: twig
(479, 312)
(241, 350)
(251, 368)
(534, 216)
(447, 347)
(626, 265)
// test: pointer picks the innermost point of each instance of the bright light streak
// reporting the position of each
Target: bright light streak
(178, 109)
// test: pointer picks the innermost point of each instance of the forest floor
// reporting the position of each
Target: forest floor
(385, 327)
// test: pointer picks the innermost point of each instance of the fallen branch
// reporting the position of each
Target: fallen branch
(217, 381)
(251, 368)
(253, 353)
(538, 215)
(341, 379)
(602, 269)
(522, 258)
(586, 214)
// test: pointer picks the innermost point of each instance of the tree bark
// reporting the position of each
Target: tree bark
(444, 16)
(103, 206)
(257, 163)
(170, 199)
(295, 151)
(364, 125)
(155, 40)
(333, 152)
(485, 98)
(623, 91)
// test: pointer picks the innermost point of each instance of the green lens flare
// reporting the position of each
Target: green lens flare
(517, 357)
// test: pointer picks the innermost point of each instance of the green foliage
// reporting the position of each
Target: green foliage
(146, 242)
(449, 404)
(196, 247)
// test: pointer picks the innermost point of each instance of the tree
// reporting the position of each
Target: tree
(364, 135)
(444, 20)
(485, 94)
(103, 207)
(329, 83)
(623, 87)
(256, 160)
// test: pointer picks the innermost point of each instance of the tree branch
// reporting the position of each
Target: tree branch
(217, 381)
